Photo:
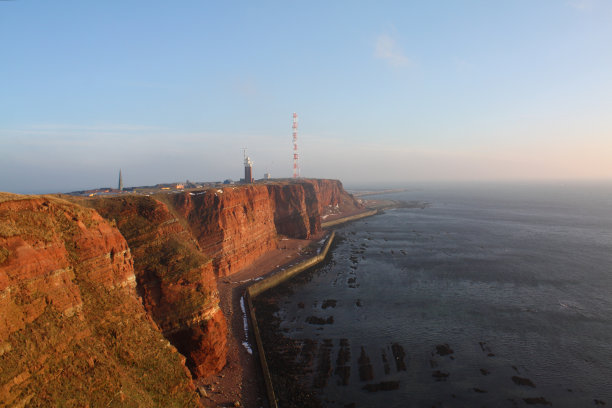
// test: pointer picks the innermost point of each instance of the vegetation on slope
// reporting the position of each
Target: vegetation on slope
(108, 353)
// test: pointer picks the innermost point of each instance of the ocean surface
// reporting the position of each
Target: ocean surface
(496, 296)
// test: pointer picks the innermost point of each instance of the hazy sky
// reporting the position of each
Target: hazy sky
(386, 91)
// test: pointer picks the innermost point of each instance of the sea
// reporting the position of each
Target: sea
(484, 295)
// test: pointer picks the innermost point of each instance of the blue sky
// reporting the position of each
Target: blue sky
(396, 92)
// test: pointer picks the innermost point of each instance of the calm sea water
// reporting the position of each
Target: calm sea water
(516, 280)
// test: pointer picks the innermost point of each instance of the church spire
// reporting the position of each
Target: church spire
(120, 188)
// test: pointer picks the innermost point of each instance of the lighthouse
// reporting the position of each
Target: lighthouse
(248, 168)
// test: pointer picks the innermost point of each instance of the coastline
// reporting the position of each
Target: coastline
(269, 283)
(374, 192)
(484, 355)
(240, 383)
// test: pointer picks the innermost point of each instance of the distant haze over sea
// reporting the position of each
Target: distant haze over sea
(489, 296)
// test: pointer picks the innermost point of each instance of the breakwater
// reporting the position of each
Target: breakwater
(350, 218)
(280, 277)
(263, 285)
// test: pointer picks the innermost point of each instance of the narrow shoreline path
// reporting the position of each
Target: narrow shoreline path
(240, 384)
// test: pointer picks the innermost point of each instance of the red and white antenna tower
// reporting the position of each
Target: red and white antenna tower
(296, 168)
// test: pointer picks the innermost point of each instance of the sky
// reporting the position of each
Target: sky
(386, 91)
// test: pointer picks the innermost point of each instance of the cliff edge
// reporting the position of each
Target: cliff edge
(174, 277)
(72, 328)
(97, 295)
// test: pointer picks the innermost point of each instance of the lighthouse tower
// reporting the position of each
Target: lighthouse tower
(248, 168)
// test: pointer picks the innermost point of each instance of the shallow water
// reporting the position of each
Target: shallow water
(515, 280)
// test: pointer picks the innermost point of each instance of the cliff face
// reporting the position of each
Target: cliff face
(233, 226)
(181, 242)
(236, 225)
(175, 279)
(296, 214)
(299, 205)
(75, 301)
(331, 194)
(72, 330)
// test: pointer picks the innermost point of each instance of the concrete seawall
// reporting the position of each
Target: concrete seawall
(347, 219)
(276, 279)
(288, 273)
(262, 355)
(270, 282)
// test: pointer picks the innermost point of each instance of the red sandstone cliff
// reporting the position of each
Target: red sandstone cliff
(67, 283)
(72, 330)
(180, 242)
(331, 194)
(236, 225)
(175, 279)
(233, 225)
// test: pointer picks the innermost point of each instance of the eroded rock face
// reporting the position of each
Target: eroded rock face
(40, 241)
(233, 226)
(72, 330)
(236, 225)
(81, 313)
(175, 279)
(331, 193)
(182, 242)
(296, 213)
(205, 344)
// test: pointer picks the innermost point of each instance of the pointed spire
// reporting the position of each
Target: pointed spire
(120, 188)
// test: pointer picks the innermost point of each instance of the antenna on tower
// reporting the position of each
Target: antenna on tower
(296, 168)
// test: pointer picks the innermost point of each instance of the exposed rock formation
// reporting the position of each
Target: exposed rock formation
(330, 193)
(233, 226)
(176, 281)
(72, 323)
(296, 209)
(236, 225)
(180, 242)
(72, 329)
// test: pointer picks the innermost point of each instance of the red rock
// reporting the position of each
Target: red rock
(236, 225)
(182, 242)
(71, 324)
(233, 226)
(175, 279)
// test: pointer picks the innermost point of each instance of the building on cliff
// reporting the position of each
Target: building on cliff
(248, 169)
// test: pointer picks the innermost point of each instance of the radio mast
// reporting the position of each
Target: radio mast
(296, 167)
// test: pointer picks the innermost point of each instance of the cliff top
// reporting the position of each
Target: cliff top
(193, 187)
(12, 197)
